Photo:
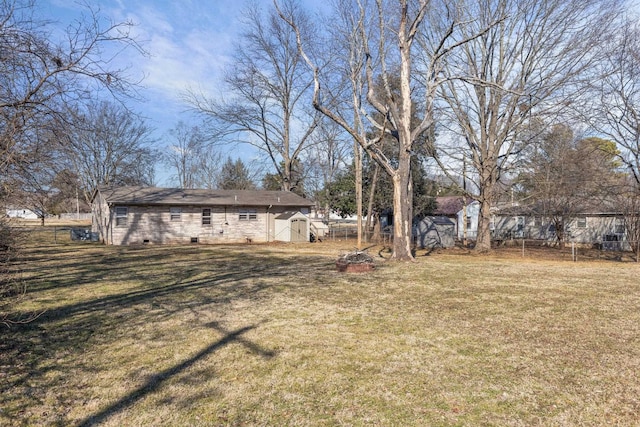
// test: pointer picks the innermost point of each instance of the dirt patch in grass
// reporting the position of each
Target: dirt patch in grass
(274, 335)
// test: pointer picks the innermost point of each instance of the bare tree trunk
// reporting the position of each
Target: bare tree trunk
(483, 236)
(357, 150)
(402, 210)
(372, 193)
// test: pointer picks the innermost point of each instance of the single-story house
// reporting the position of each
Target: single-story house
(600, 229)
(139, 215)
(22, 213)
(594, 226)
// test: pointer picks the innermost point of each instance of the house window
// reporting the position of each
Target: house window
(121, 216)
(619, 226)
(176, 213)
(537, 221)
(247, 214)
(206, 216)
(581, 222)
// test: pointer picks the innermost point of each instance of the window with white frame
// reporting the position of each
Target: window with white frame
(206, 216)
(121, 216)
(247, 214)
(619, 226)
(176, 214)
(581, 222)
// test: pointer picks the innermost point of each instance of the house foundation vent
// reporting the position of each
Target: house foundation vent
(194, 240)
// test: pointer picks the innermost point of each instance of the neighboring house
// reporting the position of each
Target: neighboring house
(137, 215)
(596, 226)
(600, 229)
(467, 221)
(435, 232)
(22, 213)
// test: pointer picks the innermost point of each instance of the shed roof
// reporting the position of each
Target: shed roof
(179, 196)
(441, 220)
(287, 215)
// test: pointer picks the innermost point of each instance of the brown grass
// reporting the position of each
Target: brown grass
(274, 335)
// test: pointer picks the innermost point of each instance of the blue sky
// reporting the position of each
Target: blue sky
(189, 44)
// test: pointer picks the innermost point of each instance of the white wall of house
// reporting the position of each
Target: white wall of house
(604, 230)
(133, 224)
(470, 229)
(21, 213)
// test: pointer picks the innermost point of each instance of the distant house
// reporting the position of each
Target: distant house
(22, 213)
(594, 227)
(138, 215)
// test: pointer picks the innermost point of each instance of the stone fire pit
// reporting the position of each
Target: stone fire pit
(355, 262)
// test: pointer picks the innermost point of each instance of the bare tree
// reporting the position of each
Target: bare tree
(565, 176)
(269, 84)
(109, 146)
(387, 35)
(42, 76)
(537, 58)
(33, 179)
(326, 156)
(208, 172)
(617, 110)
(185, 154)
(616, 114)
(39, 78)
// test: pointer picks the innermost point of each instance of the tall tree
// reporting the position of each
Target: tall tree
(43, 73)
(325, 159)
(234, 175)
(617, 91)
(40, 78)
(273, 181)
(185, 153)
(269, 84)
(33, 178)
(109, 145)
(565, 176)
(388, 35)
(537, 58)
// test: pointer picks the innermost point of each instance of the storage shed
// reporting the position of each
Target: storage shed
(292, 227)
(435, 232)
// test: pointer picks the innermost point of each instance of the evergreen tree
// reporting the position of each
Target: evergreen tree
(235, 176)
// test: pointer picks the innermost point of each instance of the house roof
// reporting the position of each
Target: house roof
(587, 208)
(181, 196)
(450, 205)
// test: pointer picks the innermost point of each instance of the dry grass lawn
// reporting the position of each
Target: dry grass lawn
(274, 335)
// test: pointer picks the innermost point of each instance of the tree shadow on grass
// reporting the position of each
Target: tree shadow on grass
(157, 380)
(175, 284)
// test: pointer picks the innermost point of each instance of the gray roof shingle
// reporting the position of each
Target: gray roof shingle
(180, 196)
